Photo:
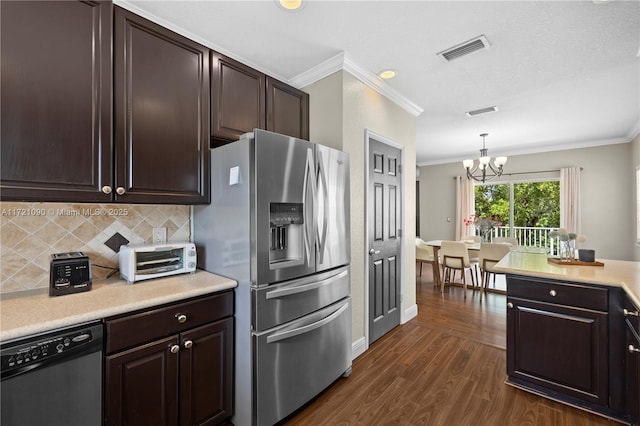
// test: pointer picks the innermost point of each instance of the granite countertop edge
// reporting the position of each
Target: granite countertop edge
(32, 312)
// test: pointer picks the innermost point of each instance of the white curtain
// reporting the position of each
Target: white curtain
(465, 206)
(570, 199)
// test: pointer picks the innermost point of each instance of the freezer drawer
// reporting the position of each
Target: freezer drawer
(280, 303)
(296, 361)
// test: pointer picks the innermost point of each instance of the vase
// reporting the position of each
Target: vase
(485, 234)
(566, 250)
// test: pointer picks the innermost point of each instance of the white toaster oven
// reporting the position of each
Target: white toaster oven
(144, 261)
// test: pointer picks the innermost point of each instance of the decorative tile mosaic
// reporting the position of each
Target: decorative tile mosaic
(31, 232)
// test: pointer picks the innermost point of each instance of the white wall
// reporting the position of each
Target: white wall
(606, 182)
(340, 101)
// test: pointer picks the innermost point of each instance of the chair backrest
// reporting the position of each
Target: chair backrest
(452, 253)
(423, 251)
(509, 240)
(492, 253)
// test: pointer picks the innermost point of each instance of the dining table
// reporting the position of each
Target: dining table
(471, 245)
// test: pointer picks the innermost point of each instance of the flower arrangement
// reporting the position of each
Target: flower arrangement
(483, 224)
(566, 244)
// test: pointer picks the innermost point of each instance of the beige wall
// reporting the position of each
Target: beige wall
(635, 164)
(607, 208)
(340, 101)
(31, 232)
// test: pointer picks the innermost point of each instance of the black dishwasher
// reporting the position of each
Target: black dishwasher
(53, 378)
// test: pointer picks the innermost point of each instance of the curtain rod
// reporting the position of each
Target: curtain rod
(526, 173)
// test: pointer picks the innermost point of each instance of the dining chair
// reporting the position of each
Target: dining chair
(490, 255)
(424, 254)
(455, 257)
(473, 255)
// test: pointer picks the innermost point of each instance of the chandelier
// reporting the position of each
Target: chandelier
(484, 169)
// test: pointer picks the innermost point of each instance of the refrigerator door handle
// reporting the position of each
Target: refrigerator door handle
(322, 239)
(307, 328)
(309, 180)
(275, 294)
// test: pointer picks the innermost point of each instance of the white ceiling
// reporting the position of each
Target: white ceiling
(563, 74)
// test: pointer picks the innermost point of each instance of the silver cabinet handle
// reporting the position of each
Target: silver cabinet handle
(630, 313)
(182, 318)
(120, 190)
(188, 344)
(106, 189)
(633, 349)
(373, 251)
(553, 293)
(509, 305)
(175, 349)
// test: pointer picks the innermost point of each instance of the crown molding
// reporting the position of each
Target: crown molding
(341, 62)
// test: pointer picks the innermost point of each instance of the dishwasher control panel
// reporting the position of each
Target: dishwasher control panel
(41, 348)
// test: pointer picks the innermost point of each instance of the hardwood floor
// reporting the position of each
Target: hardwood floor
(447, 366)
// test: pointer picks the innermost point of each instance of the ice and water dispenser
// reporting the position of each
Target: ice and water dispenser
(287, 234)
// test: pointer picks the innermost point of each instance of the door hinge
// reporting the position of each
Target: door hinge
(399, 168)
(399, 233)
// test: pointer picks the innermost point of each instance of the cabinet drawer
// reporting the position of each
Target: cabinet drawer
(580, 296)
(138, 328)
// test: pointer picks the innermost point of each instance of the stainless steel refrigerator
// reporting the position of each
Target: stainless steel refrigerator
(278, 224)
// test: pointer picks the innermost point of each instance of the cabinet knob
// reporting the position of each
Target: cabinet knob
(120, 190)
(633, 349)
(182, 318)
(630, 313)
(553, 293)
(175, 349)
(188, 344)
(509, 305)
(106, 189)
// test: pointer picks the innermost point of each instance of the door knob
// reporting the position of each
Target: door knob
(120, 190)
(188, 344)
(175, 349)
(182, 318)
(373, 251)
(106, 189)
(633, 349)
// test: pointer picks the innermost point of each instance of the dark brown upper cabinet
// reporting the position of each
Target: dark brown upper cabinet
(161, 95)
(237, 99)
(287, 109)
(56, 100)
(243, 99)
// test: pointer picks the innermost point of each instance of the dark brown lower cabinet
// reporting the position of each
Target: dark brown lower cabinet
(632, 358)
(182, 379)
(564, 341)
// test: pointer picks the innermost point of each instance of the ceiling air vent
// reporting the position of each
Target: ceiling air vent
(473, 45)
(481, 111)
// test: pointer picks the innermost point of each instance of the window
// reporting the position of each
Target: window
(534, 212)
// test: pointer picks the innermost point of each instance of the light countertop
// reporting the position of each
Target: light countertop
(618, 273)
(31, 312)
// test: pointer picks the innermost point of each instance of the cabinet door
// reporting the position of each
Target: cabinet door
(56, 100)
(237, 99)
(141, 385)
(161, 84)
(632, 350)
(206, 374)
(559, 348)
(287, 110)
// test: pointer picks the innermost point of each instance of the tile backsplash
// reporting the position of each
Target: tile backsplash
(31, 232)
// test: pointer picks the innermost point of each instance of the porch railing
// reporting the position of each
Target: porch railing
(528, 236)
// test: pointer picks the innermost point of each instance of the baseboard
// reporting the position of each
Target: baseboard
(409, 313)
(358, 347)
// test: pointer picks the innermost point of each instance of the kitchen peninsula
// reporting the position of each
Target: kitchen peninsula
(572, 332)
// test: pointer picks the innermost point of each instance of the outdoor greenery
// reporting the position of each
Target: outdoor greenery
(536, 204)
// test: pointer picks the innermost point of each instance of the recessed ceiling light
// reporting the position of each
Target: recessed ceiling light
(387, 74)
(291, 4)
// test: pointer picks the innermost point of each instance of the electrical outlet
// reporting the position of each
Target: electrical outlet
(159, 235)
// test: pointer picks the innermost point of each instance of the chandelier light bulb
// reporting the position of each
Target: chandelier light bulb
(485, 160)
(467, 164)
(501, 161)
